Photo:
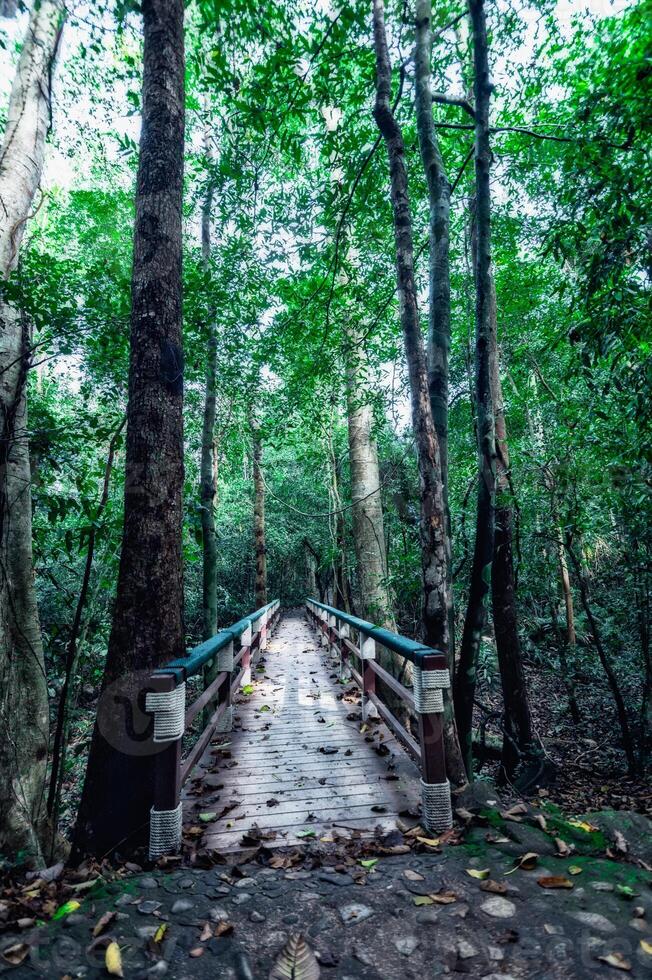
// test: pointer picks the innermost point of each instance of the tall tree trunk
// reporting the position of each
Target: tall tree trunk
(517, 721)
(23, 747)
(567, 658)
(434, 549)
(480, 584)
(439, 286)
(148, 627)
(367, 510)
(259, 518)
(208, 465)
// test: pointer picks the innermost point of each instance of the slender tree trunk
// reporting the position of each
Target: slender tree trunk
(23, 686)
(612, 680)
(311, 577)
(480, 584)
(568, 660)
(439, 286)
(60, 742)
(434, 547)
(148, 628)
(367, 511)
(516, 703)
(259, 518)
(208, 465)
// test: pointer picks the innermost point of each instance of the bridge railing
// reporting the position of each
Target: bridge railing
(226, 661)
(355, 641)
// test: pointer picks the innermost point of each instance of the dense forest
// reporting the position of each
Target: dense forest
(342, 301)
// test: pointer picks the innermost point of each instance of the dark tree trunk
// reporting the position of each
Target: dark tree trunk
(148, 627)
(259, 519)
(480, 584)
(208, 465)
(517, 740)
(434, 543)
(439, 285)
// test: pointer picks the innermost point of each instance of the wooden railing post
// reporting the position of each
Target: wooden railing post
(430, 678)
(345, 633)
(245, 641)
(367, 654)
(225, 663)
(262, 629)
(323, 627)
(167, 703)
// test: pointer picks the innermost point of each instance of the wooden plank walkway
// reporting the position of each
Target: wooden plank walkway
(296, 760)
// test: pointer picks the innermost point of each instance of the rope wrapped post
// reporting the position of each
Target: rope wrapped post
(368, 653)
(166, 701)
(225, 663)
(430, 678)
(245, 643)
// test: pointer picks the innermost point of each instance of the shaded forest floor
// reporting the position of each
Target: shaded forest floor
(585, 768)
(495, 900)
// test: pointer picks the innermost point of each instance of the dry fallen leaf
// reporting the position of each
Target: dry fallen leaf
(223, 928)
(526, 862)
(575, 869)
(206, 933)
(588, 828)
(497, 887)
(622, 846)
(15, 954)
(616, 960)
(554, 881)
(296, 961)
(429, 841)
(444, 898)
(104, 921)
(562, 847)
(412, 875)
(646, 947)
(113, 960)
(541, 821)
(477, 873)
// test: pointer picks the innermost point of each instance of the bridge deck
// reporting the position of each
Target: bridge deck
(298, 762)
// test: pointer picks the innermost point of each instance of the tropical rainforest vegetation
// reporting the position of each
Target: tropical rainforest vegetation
(362, 312)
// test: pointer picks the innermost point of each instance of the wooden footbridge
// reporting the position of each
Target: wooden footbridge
(290, 748)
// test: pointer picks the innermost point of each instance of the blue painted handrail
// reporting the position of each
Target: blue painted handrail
(410, 649)
(197, 658)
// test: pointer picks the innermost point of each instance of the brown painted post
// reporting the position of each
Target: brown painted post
(165, 818)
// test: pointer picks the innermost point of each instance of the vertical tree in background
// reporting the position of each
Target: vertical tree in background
(367, 510)
(480, 585)
(148, 619)
(433, 532)
(208, 463)
(259, 517)
(517, 721)
(23, 686)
